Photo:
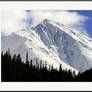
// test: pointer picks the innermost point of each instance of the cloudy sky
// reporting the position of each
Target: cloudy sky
(14, 20)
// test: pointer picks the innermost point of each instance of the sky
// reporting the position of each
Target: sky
(14, 20)
(88, 23)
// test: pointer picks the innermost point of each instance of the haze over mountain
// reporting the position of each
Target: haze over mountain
(52, 42)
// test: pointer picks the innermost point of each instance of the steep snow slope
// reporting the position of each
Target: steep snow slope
(28, 41)
(54, 43)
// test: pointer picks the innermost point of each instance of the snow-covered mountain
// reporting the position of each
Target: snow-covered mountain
(52, 42)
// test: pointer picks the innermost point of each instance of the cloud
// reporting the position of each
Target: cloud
(64, 17)
(13, 20)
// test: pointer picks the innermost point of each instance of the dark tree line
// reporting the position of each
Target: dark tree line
(13, 69)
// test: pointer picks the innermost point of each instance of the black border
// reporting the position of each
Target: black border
(46, 0)
(45, 91)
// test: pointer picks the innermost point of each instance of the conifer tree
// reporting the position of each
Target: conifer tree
(13, 69)
(27, 62)
(60, 67)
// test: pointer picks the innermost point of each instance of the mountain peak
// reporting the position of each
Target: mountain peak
(46, 20)
(49, 21)
(52, 42)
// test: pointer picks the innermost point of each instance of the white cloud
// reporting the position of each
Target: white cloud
(13, 20)
(64, 17)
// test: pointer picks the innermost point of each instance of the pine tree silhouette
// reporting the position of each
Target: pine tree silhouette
(13, 69)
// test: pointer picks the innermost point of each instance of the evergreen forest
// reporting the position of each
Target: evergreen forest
(14, 70)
